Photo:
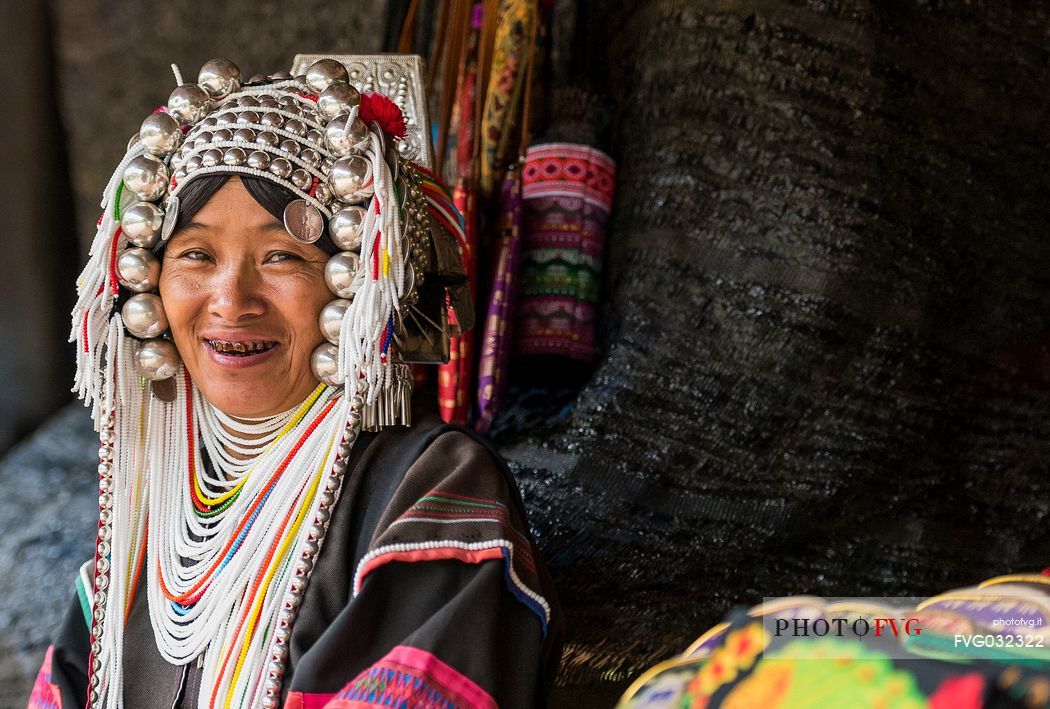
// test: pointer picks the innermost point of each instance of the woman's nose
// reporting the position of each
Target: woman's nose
(237, 292)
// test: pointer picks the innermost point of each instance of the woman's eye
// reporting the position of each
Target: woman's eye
(195, 255)
(281, 256)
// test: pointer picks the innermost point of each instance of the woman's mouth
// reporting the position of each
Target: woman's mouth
(245, 348)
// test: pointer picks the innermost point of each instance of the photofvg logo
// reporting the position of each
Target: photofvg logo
(985, 625)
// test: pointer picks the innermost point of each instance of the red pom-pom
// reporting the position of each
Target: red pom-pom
(377, 107)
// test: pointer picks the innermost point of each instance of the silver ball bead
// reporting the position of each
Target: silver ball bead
(158, 359)
(194, 163)
(144, 316)
(347, 227)
(323, 515)
(211, 158)
(280, 76)
(268, 102)
(345, 137)
(310, 548)
(160, 133)
(267, 138)
(351, 179)
(323, 193)
(202, 138)
(138, 270)
(234, 156)
(220, 77)
(315, 136)
(272, 119)
(226, 118)
(146, 176)
(259, 160)
(327, 499)
(222, 134)
(301, 179)
(310, 157)
(269, 702)
(339, 274)
(248, 117)
(141, 223)
(324, 361)
(189, 103)
(248, 102)
(331, 319)
(338, 98)
(295, 126)
(281, 167)
(324, 72)
(209, 122)
(290, 146)
(245, 134)
(287, 101)
(304, 565)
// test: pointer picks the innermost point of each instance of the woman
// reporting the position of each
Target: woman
(271, 532)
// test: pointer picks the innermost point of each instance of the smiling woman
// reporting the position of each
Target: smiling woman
(243, 298)
(280, 524)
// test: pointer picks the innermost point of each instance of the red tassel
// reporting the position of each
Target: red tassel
(377, 107)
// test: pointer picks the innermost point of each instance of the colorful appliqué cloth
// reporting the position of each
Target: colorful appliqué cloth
(427, 593)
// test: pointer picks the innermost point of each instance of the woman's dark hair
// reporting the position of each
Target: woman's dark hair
(271, 196)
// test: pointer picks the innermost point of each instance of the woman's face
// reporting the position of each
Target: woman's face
(242, 297)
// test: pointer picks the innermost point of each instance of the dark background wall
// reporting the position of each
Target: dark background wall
(826, 324)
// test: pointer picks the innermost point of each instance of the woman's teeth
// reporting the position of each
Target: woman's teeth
(241, 349)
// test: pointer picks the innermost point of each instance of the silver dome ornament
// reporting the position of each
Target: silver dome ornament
(248, 117)
(324, 361)
(303, 221)
(234, 157)
(323, 193)
(268, 102)
(256, 78)
(160, 133)
(280, 76)
(246, 135)
(143, 315)
(141, 223)
(222, 134)
(158, 359)
(202, 138)
(324, 72)
(228, 117)
(338, 98)
(346, 227)
(314, 136)
(268, 138)
(345, 137)
(193, 163)
(146, 176)
(211, 158)
(259, 160)
(138, 270)
(189, 103)
(286, 101)
(301, 179)
(295, 127)
(248, 102)
(351, 179)
(281, 167)
(310, 157)
(272, 119)
(331, 319)
(340, 273)
(220, 77)
(290, 146)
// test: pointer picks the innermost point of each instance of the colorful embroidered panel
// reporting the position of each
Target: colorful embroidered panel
(567, 191)
(45, 695)
(411, 678)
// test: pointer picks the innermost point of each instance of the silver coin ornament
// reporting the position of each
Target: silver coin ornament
(346, 137)
(141, 223)
(303, 221)
(220, 77)
(324, 361)
(351, 179)
(347, 227)
(146, 176)
(138, 270)
(337, 99)
(340, 274)
(331, 319)
(158, 359)
(143, 315)
(324, 72)
(161, 134)
(171, 216)
(189, 103)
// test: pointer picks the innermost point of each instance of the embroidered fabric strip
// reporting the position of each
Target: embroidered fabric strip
(410, 677)
(567, 190)
(45, 695)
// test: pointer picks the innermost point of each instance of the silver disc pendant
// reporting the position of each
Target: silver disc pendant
(171, 215)
(303, 221)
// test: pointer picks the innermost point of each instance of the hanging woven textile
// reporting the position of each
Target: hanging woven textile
(568, 191)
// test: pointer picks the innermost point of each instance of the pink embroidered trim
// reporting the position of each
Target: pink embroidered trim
(302, 700)
(470, 556)
(45, 695)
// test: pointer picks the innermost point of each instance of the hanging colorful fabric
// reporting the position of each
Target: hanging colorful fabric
(567, 191)
(496, 340)
(506, 87)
